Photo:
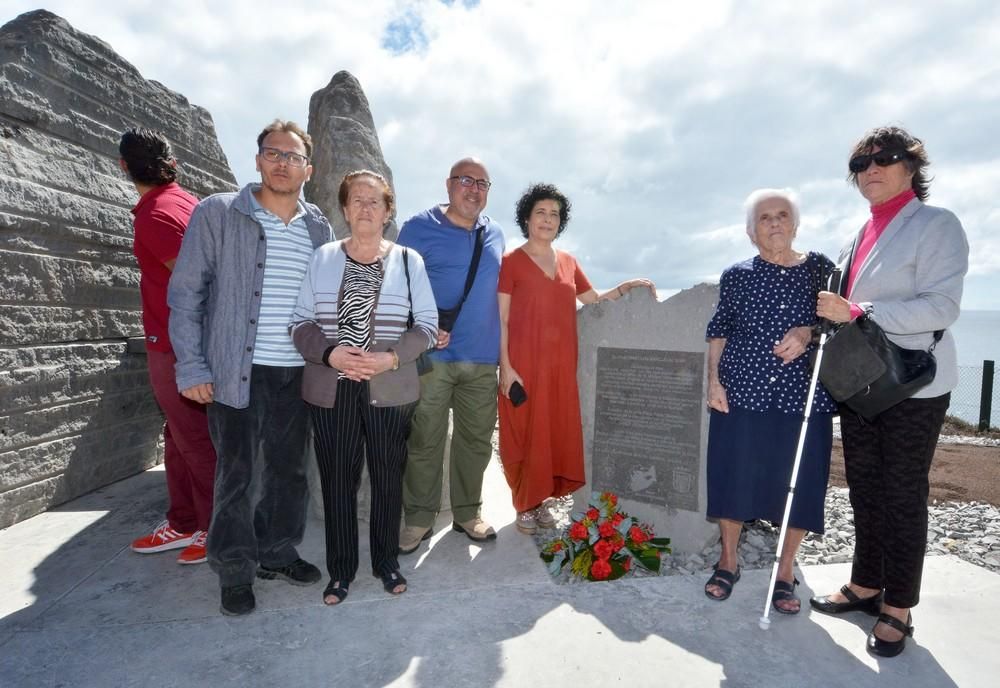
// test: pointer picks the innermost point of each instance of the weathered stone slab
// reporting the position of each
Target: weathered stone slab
(344, 139)
(76, 411)
(647, 425)
(641, 375)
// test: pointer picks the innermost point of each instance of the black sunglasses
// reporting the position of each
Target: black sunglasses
(883, 158)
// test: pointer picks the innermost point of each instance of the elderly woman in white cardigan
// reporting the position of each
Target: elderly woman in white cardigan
(907, 269)
(365, 313)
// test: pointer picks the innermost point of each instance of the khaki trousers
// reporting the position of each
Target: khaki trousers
(470, 391)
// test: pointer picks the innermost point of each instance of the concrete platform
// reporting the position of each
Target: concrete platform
(78, 609)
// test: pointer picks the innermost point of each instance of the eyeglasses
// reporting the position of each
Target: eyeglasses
(275, 155)
(483, 184)
(883, 158)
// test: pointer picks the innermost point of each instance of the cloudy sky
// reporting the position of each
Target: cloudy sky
(656, 118)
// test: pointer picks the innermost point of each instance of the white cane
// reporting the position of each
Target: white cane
(764, 622)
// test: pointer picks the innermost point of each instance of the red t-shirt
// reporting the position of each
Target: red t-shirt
(161, 216)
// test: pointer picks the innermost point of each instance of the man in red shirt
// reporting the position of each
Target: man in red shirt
(161, 216)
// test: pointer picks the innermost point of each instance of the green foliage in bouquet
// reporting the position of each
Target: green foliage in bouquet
(604, 543)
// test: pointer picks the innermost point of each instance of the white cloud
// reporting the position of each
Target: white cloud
(657, 119)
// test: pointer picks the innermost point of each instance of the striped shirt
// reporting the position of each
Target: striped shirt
(289, 250)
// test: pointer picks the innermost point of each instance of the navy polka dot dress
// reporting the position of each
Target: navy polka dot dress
(751, 448)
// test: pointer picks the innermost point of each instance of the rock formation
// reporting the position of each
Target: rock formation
(344, 139)
(76, 411)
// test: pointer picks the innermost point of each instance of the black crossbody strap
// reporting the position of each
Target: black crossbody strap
(409, 295)
(477, 253)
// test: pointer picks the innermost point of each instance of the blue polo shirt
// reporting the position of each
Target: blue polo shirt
(447, 251)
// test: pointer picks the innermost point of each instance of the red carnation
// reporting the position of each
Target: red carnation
(603, 549)
(600, 570)
(637, 535)
(611, 498)
(618, 543)
(617, 519)
(606, 530)
(593, 514)
(557, 547)
(578, 531)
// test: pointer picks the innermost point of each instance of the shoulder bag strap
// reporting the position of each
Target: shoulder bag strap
(409, 295)
(477, 253)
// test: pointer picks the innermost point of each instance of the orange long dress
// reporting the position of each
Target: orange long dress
(541, 441)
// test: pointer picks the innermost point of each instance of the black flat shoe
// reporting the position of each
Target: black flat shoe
(890, 648)
(869, 605)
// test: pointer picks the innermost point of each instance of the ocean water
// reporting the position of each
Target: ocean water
(977, 336)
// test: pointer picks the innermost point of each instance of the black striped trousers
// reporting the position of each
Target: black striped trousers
(344, 435)
(887, 463)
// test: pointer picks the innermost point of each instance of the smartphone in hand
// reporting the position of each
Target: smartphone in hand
(517, 394)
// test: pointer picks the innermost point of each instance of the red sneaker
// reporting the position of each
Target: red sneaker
(161, 539)
(195, 552)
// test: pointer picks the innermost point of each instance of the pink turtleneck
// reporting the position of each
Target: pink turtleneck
(882, 215)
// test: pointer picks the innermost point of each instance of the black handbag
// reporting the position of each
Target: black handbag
(868, 373)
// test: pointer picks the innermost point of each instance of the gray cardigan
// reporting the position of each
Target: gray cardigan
(913, 279)
(314, 325)
(214, 293)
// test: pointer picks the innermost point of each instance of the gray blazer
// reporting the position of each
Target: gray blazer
(913, 279)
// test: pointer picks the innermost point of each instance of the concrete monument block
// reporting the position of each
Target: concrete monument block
(642, 383)
(76, 411)
(344, 139)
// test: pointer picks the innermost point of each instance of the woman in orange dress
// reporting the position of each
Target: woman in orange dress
(541, 438)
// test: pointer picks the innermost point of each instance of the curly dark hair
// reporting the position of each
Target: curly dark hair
(897, 138)
(542, 192)
(148, 157)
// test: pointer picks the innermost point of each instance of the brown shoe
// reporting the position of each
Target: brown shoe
(475, 529)
(411, 537)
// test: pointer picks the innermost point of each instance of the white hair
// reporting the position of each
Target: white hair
(759, 196)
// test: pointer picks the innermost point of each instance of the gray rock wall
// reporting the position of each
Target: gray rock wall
(344, 140)
(76, 411)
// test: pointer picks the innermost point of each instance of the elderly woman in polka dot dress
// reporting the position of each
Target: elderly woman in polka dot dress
(758, 379)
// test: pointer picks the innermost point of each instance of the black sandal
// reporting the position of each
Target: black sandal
(783, 591)
(391, 581)
(890, 648)
(336, 589)
(722, 579)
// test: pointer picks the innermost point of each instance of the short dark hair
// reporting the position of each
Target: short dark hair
(288, 127)
(148, 157)
(897, 138)
(387, 195)
(541, 192)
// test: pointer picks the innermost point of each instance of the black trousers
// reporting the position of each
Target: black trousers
(262, 445)
(344, 435)
(887, 463)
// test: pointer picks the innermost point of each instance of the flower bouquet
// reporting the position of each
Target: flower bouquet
(604, 542)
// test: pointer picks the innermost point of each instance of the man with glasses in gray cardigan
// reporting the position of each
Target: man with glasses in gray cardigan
(231, 297)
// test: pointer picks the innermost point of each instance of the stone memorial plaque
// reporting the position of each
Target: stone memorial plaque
(647, 425)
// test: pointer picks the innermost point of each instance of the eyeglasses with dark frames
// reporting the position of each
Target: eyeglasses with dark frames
(882, 158)
(274, 155)
(466, 181)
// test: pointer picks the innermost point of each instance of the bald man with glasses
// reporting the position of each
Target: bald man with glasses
(463, 379)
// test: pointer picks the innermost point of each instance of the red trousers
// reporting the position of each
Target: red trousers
(189, 456)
